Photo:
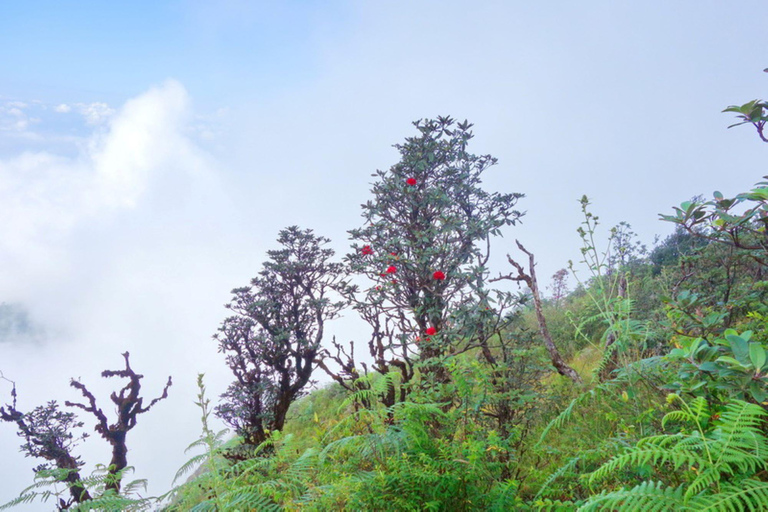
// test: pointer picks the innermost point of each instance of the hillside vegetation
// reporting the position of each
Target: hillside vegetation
(644, 387)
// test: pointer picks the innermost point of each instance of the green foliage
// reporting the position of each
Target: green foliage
(739, 221)
(753, 112)
(716, 456)
(731, 366)
(623, 337)
(48, 486)
(217, 486)
(457, 408)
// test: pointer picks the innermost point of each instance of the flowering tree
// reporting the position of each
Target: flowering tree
(424, 248)
(274, 334)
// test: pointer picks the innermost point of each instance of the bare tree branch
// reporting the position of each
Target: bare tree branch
(529, 278)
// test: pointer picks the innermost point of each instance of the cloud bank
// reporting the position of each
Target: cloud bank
(120, 245)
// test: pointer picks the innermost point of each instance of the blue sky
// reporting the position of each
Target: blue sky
(151, 151)
(77, 50)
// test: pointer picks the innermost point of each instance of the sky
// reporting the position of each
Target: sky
(151, 151)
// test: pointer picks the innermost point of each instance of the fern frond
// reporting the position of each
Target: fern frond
(652, 454)
(189, 466)
(21, 499)
(248, 498)
(645, 497)
(134, 486)
(747, 495)
(557, 474)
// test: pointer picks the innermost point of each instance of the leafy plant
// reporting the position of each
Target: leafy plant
(712, 463)
(753, 112)
(731, 366)
(99, 487)
(213, 487)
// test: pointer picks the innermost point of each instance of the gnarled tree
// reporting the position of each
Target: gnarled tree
(275, 332)
(129, 405)
(48, 434)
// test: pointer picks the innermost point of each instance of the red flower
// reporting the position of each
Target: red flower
(366, 250)
(438, 275)
(394, 281)
(392, 269)
(431, 330)
(411, 181)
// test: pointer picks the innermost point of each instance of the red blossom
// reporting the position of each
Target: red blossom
(392, 269)
(366, 250)
(411, 181)
(431, 330)
(438, 275)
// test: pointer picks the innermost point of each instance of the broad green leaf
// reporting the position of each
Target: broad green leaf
(739, 347)
(731, 361)
(757, 355)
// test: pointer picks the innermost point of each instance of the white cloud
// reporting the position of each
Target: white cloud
(118, 247)
(63, 108)
(45, 196)
(95, 113)
(13, 118)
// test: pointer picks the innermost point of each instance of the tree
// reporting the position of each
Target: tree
(559, 286)
(48, 434)
(275, 332)
(424, 247)
(129, 405)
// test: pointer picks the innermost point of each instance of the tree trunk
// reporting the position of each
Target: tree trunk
(530, 279)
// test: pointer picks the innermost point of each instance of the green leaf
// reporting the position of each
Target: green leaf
(758, 392)
(757, 355)
(739, 347)
(731, 361)
(709, 366)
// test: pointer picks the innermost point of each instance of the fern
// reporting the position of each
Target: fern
(723, 455)
(557, 474)
(645, 497)
(47, 482)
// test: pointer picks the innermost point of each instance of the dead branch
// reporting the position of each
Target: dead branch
(529, 278)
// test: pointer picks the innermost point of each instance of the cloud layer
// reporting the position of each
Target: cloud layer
(117, 247)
